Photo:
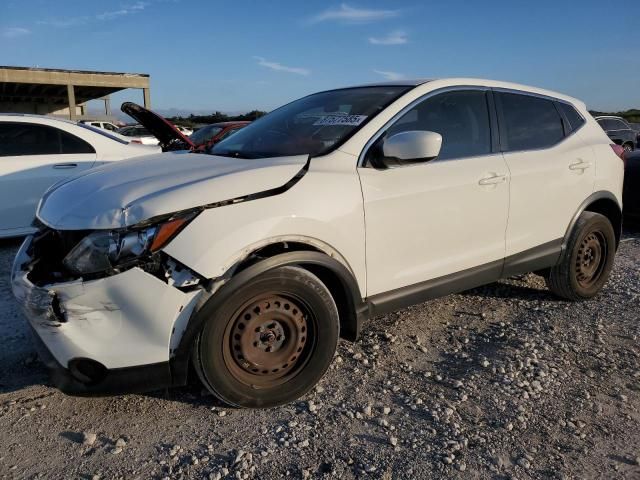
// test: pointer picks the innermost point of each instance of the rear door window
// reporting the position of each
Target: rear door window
(619, 125)
(20, 139)
(528, 122)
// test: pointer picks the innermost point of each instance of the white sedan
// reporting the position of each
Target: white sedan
(39, 151)
(138, 134)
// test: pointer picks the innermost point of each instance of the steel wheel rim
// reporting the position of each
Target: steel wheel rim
(591, 258)
(268, 340)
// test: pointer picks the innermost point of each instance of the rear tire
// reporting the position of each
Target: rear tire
(270, 342)
(628, 147)
(586, 263)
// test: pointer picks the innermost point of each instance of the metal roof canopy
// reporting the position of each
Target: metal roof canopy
(56, 88)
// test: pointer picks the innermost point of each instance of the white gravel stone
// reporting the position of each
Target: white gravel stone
(88, 438)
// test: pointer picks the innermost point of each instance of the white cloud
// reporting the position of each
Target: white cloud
(391, 76)
(82, 20)
(13, 32)
(347, 14)
(282, 68)
(133, 8)
(64, 22)
(394, 38)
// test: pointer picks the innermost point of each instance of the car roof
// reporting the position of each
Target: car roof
(398, 83)
(608, 116)
(468, 81)
(31, 116)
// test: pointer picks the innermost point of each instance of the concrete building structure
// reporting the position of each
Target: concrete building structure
(49, 91)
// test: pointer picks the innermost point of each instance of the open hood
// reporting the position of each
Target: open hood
(169, 136)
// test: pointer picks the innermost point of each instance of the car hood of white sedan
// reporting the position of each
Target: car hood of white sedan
(125, 193)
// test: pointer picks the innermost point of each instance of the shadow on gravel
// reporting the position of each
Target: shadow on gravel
(506, 290)
(631, 229)
(75, 437)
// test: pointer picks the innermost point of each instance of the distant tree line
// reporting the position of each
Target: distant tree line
(631, 115)
(195, 120)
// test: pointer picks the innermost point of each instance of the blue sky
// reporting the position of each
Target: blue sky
(238, 55)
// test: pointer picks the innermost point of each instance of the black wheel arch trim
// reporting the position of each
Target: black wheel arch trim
(349, 327)
(594, 197)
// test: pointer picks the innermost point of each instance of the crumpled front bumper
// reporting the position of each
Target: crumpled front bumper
(120, 328)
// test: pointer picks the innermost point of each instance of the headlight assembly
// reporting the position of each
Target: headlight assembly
(103, 251)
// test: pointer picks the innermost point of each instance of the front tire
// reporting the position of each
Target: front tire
(628, 147)
(586, 263)
(270, 342)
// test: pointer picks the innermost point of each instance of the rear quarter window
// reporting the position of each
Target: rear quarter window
(571, 114)
(528, 122)
(70, 144)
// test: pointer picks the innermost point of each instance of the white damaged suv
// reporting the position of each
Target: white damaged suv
(251, 261)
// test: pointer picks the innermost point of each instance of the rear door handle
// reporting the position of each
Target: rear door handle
(492, 179)
(580, 165)
(65, 165)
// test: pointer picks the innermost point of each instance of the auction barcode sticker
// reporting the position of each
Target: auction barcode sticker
(329, 120)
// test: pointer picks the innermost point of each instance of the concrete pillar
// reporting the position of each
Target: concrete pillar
(107, 105)
(147, 98)
(72, 102)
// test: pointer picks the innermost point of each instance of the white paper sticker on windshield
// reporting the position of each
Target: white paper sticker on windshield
(329, 120)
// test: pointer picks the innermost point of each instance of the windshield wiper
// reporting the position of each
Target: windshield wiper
(235, 154)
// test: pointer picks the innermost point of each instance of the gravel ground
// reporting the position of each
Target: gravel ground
(503, 381)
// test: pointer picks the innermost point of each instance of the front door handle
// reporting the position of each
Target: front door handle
(580, 165)
(65, 165)
(492, 179)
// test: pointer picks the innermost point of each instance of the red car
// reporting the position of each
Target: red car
(209, 135)
(171, 138)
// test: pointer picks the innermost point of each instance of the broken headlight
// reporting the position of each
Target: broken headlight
(103, 251)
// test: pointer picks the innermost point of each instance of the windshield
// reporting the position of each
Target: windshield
(204, 134)
(313, 125)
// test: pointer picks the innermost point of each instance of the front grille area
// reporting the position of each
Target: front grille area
(48, 249)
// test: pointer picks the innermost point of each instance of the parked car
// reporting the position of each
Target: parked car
(249, 262)
(209, 135)
(636, 128)
(184, 130)
(138, 134)
(631, 191)
(619, 131)
(153, 128)
(168, 136)
(171, 137)
(39, 151)
(104, 125)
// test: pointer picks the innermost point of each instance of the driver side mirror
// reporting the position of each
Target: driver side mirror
(412, 146)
